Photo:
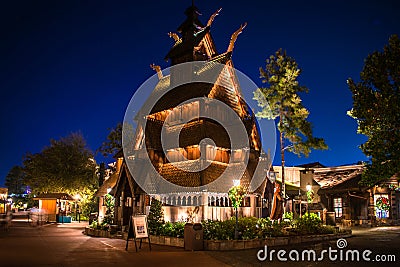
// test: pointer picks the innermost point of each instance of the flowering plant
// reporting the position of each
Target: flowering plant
(382, 203)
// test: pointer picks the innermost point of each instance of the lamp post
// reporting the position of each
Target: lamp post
(236, 194)
(236, 183)
(77, 197)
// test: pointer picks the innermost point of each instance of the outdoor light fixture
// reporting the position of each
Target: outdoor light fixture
(108, 190)
(236, 182)
(308, 187)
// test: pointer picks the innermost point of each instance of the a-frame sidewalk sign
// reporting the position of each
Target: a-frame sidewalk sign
(138, 230)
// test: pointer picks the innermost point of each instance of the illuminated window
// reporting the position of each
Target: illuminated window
(128, 202)
(338, 207)
(382, 205)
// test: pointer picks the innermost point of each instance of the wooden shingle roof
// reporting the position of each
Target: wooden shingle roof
(169, 98)
(333, 177)
(182, 47)
(190, 134)
(177, 175)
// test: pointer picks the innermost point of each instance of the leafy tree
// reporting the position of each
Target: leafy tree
(113, 143)
(21, 199)
(67, 165)
(280, 100)
(15, 180)
(376, 107)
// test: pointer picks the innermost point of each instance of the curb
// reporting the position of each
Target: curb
(221, 245)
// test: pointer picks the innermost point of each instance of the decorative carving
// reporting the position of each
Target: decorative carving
(157, 68)
(211, 19)
(234, 37)
(174, 36)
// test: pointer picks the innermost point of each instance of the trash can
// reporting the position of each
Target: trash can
(330, 218)
(193, 236)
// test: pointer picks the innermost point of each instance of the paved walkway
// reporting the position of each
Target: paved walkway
(64, 245)
(380, 240)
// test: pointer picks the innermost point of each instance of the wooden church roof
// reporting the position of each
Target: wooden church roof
(218, 69)
(169, 98)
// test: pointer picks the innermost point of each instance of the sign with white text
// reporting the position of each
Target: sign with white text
(140, 226)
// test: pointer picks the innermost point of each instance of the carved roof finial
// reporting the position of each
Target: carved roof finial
(174, 36)
(157, 68)
(211, 19)
(234, 37)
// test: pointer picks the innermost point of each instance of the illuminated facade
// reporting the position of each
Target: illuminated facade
(353, 203)
(194, 43)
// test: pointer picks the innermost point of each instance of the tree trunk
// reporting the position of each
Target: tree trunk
(283, 166)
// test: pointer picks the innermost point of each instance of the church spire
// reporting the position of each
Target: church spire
(193, 41)
(191, 25)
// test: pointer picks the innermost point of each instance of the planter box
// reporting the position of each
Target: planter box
(212, 244)
(97, 232)
(295, 239)
(255, 243)
(281, 241)
(270, 242)
(166, 240)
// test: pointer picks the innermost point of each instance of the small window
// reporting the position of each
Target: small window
(128, 202)
(338, 207)
(382, 206)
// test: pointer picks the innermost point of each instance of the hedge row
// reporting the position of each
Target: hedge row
(249, 228)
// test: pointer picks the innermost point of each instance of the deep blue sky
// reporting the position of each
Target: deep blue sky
(68, 66)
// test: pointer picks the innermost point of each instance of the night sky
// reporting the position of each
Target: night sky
(68, 66)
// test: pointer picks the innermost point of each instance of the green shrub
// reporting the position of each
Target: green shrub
(247, 227)
(94, 224)
(309, 223)
(99, 226)
(264, 226)
(327, 229)
(288, 216)
(173, 229)
(219, 230)
(251, 228)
